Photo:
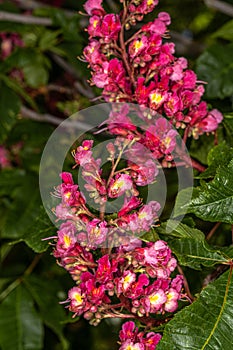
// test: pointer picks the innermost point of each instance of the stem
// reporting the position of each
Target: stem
(186, 133)
(186, 285)
(213, 230)
(123, 47)
(133, 37)
(196, 165)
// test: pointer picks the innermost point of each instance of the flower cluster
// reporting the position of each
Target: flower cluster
(94, 230)
(139, 277)
(125, 278)
(143, 68)
(157, 139)
(132, 339)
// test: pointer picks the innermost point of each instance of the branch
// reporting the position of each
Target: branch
(221, 6)
(48, 118)
(26, 19)
(84, 90)
(212, 231)
(33, 5)
(184, 45)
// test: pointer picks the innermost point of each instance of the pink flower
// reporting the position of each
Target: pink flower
(124, 283)
(130, 339)
(146, 6)
(77, 300)
(159, 253)
(67, 178)
(104, 272)
(154, 302)
(128, 331)
(120, 185)
(129, 204)
(94, 28)
(151, 340)
(66, 238)
(155, 27)
(157, 98)
(83, 153)
(210, 122)
(110, 27)
(95, 294)
(144, 174)
(171, 304)
(119, 123)
(137, 46)
(97, 232)
(93, 7)
(165, 17)
(142, 92)
(172, 105)
(128, 345)
(137, 288)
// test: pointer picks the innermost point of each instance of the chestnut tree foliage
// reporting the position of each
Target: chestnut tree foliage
(171, 288)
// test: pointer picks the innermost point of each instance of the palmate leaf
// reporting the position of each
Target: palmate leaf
(20, 325)
(211, 201)
(207, 323)
(190, 247)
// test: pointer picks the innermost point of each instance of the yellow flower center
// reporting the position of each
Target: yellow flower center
(150, 2)
(153, 299)
(142, 215)
(169, 296)
(95, 23)
(127, 280)
(78, 297)
(67, 195)
(156, 98)
(137, 45)
(67, 241)
(167, 141)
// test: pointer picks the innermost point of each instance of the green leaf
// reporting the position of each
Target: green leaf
(216, 67)
(225, 32)
(182, 201)
(200, 148)
(20, 325)
(51, 311)
(16, 87)
(190, 246)
(207, 323)
(41, 227)
(219, 155)
(34, 64)
(211, 201)
(228, 125)
(23, 206)
(9, 109)
(49, 39)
